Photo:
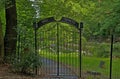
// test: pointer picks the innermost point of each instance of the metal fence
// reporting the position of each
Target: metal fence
(57, 44)
(66, 53)
(100, 56)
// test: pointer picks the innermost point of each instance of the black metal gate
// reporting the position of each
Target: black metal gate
(59, 46)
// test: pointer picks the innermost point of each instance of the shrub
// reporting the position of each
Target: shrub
(26, 63)
(99, 49)
(116, 50)
(102, 50)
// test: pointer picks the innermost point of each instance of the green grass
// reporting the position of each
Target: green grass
(88, 63)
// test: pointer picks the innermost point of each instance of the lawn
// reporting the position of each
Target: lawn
(88, 63)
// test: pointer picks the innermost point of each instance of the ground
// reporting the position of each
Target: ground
(5, 73)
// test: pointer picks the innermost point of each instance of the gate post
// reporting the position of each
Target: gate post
(111, 53)
(35, 39)
(80, 49)
(58, 51)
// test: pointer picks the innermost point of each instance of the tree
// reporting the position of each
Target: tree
(112, 17)
(1, 43)
(1, 32)
(105, 17)
(11, 25)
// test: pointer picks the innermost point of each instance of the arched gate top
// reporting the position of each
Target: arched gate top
(63, 20)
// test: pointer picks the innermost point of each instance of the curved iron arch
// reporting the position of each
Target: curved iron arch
(51, 19)
(70, 22)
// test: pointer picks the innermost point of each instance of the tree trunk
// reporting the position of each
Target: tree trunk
(1, 43)
(10, 39)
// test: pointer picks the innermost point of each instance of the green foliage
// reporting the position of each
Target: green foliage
(102, 50)
(99, 49)
(2, 2)
(26, 62)
(110, 17)
(116, 50)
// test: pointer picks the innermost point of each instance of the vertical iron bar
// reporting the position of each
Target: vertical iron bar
(111, 52)
(21, 45)
(35, 45)
(80, 49)
(18, 46)
(24, 40)
(60, 45)
(48, 37)
(80, 52)
(57, 50)
(20, 49)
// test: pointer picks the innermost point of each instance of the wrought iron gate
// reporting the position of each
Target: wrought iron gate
(59, 46)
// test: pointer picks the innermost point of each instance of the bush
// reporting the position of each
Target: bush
(99, 49)
(26, 63)
(102, 50)
(116, 50)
